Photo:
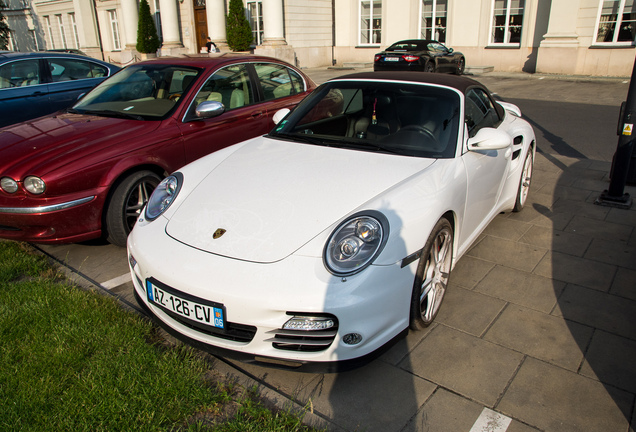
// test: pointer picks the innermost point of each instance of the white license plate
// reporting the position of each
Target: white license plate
(198, 310)
(391, 59)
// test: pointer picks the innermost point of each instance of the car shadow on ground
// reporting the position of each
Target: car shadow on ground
(591, 261)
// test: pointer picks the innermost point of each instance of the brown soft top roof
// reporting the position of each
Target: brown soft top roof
(458, 82)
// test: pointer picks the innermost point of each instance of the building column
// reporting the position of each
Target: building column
(215, 14)
(170, 25)
(273, 23)
(274, 44)
(86, 20)
(130, 14)
(558, 51)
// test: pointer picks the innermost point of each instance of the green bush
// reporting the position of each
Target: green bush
(147, 38)
(239, 32)
(4, 29)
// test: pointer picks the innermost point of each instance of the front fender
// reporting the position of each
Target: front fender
(412, 208)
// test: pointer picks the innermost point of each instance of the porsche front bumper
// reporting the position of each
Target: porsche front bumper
(258, 299)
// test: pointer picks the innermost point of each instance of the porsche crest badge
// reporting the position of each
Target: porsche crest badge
(218, 233)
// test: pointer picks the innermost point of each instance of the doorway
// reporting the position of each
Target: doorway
(200, 23)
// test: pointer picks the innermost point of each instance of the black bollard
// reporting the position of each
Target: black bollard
(615, 196)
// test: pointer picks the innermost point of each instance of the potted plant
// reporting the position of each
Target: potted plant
(4, 29)
(147, 38)
(239, 32)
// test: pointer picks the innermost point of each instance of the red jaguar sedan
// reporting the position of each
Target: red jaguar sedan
(87, 172)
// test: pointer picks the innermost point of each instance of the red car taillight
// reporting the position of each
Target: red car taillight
(377, 57)
(410, 58)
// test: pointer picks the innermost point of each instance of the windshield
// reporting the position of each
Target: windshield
(406, 119)
(144, 92)
(408, 46)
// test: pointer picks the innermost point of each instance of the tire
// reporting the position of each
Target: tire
(429, 67)
(126, 203)
(524, 182)
(461, 66)
(432, 276)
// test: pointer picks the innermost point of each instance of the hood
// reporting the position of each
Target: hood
(274, 196)
(47, 143)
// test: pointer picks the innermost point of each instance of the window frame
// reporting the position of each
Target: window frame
(488, 119)
(295, 81)
(49, 30)
(434, 17)
(60, 27)
(256, 21)
(617, 25)
(371, 30)
(507, 25)
(73, 21)
(114, 29)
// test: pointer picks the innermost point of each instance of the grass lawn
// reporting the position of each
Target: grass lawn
(74, 360)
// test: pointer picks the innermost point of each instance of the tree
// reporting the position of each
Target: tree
(147, 38)
(239, 32)
(4, 28)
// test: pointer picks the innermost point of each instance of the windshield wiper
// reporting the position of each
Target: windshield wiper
(110, 113)
(371, 145)
(300, 137)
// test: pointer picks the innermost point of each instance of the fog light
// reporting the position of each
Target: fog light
(352, 338)
(308, 323)
(132, 261)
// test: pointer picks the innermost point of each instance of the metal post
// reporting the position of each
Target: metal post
(615, 196)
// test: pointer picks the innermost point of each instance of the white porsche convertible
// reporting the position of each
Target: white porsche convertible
(328, 238)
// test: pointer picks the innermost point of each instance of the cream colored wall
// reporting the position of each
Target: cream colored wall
(309, 35)
(188, 27)
(50, 9)
(465, 18)
(579, 56)
(308, 31)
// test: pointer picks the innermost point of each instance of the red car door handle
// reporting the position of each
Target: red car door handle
(257, 114)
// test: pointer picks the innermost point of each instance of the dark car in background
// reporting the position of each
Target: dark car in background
(36, 84)
(420, 55)
(86, 173)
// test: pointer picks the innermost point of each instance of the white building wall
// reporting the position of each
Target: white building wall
(558, 35)
(308, 29)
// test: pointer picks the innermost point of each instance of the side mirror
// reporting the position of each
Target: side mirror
(280, 114)
(489, 139)
(450, 50)
(209, 109)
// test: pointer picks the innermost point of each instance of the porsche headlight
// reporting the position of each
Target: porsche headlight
(355, 243)
(163, 195)
(35, 185)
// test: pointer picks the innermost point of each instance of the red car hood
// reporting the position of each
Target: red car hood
(40, 146)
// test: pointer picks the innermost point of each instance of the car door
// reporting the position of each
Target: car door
(71, 78)
(444, 58)
(244, 116)
(486, 170)
(23, 91)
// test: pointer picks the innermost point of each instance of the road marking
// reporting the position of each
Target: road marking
(115, 282)
(491, 421)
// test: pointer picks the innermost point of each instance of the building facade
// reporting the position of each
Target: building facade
(578, 37)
